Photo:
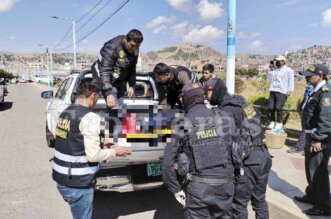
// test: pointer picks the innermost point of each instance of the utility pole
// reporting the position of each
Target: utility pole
(42, 68)
(73, 38)
(50, 64)
(74, 42)
(51, 61)
(231, 47)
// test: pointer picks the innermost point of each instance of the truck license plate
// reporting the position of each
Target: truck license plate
(154, 169)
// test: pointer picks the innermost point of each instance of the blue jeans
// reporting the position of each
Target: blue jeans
(80, 201)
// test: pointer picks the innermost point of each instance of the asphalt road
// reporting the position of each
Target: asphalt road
(26, 186)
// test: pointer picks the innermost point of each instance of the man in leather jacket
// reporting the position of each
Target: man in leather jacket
(117, 66)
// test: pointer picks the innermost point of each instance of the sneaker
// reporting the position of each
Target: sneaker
(294, 150)
(278, 126)
(271, 125)
(316, 211)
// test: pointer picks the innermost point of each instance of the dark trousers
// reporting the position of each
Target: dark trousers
(276, 103)
(317, 174)
(252, 186)
(208, 201)
(301, 141)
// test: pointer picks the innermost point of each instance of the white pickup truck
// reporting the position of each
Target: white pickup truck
(140, 125)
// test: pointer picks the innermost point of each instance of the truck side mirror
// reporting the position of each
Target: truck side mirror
(47, 94)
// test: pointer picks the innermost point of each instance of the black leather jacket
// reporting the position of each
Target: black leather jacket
(116, 65)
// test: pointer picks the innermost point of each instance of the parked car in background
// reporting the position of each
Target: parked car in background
(23, 80)
(2, 91)
(4, 83)
(13, 81)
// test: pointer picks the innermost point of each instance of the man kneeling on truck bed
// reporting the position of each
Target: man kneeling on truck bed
(170, 82)
(78, 151)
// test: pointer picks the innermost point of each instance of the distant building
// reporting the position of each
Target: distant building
(263, 68)
(82, 65)
(244, 66)
(33, 69)
(196, 65)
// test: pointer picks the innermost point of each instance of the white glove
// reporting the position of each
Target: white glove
(181, 197)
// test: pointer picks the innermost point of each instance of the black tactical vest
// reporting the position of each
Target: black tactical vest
(70, 166)
(251, 134)
(209, 145)
(175, 84)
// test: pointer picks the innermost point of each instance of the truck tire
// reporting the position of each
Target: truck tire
(49, 138)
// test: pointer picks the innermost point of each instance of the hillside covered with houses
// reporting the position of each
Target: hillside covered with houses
(193, 56)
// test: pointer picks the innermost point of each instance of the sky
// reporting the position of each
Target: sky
(262, 26)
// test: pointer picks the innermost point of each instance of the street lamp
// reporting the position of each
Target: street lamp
(73, 36)
(50, 70)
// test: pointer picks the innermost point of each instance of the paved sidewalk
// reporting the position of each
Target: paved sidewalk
(286, 180)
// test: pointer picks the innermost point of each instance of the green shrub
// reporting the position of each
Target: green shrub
(239, 85)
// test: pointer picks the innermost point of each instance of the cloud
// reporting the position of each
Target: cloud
(6, 5)
(12, 37)
(180, 5)
(159, 21)
(256, 45)
(180, 28)
(209, 11)
(204, 35)
(326, 18)
(245, 35)
(160, 29)
(285, 4)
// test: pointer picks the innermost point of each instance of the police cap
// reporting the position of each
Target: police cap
(314, 70)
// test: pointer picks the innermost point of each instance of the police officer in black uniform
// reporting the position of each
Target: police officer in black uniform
(117, 66)
(170, 81)
(207, 145)
(78, 151)
(251, 183)
(317, 125)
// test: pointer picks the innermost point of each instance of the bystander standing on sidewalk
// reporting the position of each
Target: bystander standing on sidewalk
(317, 126)
(302, 137)
(281, 85)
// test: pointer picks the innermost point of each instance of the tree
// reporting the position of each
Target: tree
(4, 74)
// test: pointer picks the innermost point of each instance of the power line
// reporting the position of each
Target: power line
(64, 37)
(102, 23)
(83, 25)
(83, 16)
(79, 19)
